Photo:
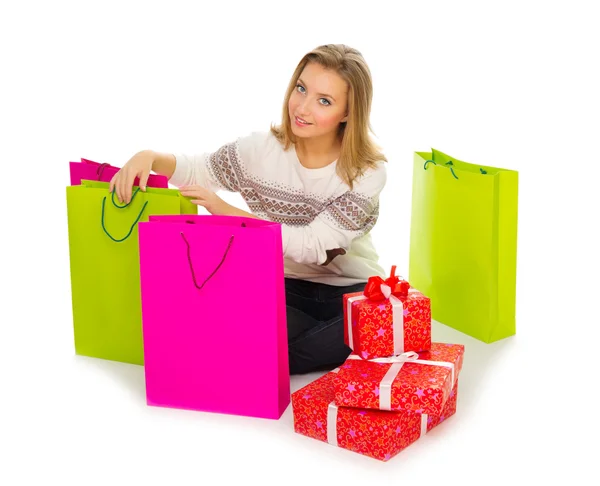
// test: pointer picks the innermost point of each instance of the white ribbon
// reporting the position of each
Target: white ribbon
(385, 385)
(398, 324)
(397, 318)
(424, 418)
(351, 300)
(332, 411)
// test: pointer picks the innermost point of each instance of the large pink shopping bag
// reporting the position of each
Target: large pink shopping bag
(94, 171)
(213, 314)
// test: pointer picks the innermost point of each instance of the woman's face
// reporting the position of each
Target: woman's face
(318, 104)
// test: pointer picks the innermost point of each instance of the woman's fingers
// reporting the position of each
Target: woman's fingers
(144, 180)
(129, 185)
(120, 185)
(193, 191)
(111, 184)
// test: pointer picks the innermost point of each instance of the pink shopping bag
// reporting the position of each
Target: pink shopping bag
(95, 171)
(213, 315)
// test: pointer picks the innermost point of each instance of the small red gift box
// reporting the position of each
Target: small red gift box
(420, 383)
(388, 318)
(373, 433)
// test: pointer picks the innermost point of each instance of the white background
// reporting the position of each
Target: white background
(508, 84)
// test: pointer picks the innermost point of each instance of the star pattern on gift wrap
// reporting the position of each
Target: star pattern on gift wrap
(380, 332)
(307, 396)
(319, 424)
(351, 387)
(431, 380)
(369, 317)
(390, 432)
(352, 433)
(376, 391)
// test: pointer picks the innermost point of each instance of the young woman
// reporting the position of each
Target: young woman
(319, 174)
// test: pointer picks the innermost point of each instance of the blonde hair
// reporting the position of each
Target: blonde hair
(358, 151)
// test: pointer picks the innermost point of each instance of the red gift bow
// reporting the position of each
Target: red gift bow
(375, 291)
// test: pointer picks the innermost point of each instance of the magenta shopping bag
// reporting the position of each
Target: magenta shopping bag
(95, 171)
(213, 314)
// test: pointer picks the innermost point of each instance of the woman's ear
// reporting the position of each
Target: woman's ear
(345, 119)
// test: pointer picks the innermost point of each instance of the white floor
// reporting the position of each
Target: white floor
(85, 421)
(511, 84)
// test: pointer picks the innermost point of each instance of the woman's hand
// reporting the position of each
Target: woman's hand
(140, 166)
(207, 199)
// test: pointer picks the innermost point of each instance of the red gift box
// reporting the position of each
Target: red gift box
(373, 433)
(388, 318)
(417, 382)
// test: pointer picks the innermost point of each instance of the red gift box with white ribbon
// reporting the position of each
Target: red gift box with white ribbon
(414, 382)
(373, 433)
(388, 318)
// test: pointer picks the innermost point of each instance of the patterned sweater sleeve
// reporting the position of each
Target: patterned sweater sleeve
(220, 170)
(349, 216)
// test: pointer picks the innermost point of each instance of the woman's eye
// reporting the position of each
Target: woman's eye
(323, 101)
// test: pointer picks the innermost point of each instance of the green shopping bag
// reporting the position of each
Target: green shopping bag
(105, 269)
(463, 243)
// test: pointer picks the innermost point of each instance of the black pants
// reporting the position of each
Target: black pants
(315, 325)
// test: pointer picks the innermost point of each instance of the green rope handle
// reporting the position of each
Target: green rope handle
(451, 169)
(121, 207)
(132, 226)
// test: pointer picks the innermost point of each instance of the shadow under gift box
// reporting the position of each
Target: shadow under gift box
(374, 433)
(214, 316)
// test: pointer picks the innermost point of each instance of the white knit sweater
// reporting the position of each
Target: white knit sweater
(316, 209)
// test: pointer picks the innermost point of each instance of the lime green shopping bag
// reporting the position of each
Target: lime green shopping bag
(105, 269)
(463, 243)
